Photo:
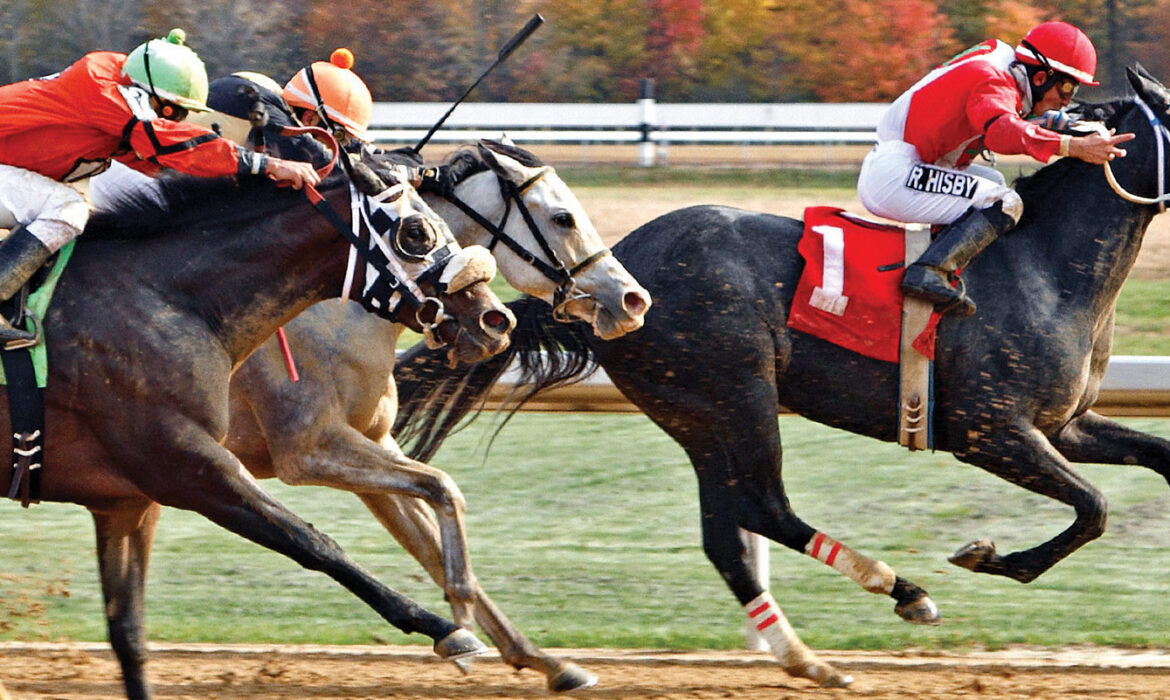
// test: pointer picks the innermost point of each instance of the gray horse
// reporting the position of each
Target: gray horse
(332, 428)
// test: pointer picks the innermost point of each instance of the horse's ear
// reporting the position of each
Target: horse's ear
(507, 140)
(369, 182)
(1147, 86)
(506, 166)
(1141, 70)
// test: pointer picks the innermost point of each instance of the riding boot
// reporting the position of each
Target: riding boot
(21, 255)
(929, 277)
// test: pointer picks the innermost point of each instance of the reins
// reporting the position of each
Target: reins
(557, 271)
(1161, 136)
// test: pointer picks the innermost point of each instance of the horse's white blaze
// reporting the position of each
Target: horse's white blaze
(872, 575)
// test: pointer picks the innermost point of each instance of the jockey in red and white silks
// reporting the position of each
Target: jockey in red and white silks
(921, 170)
(980, 101)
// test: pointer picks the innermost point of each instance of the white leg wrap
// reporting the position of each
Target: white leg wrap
(797, 659)
(872, 575)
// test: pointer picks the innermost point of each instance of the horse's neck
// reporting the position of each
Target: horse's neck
(1092, 242)
(259, 276)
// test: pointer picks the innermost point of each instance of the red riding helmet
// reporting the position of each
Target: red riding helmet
(1063, 47)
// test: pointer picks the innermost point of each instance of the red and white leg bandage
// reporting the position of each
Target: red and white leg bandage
(796, 658)
(872, 575)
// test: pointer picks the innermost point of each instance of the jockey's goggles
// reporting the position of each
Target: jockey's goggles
(1066, 85)
(172, 111)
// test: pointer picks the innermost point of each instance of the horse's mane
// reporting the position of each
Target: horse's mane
(176, 201)
(467, 160)
(436, 401)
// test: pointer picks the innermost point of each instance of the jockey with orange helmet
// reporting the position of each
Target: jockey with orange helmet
(331, 95)
(984, 99)
(107, 106)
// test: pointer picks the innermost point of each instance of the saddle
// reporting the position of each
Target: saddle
(848, 295)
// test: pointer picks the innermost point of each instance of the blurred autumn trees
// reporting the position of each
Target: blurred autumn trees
(589, 50)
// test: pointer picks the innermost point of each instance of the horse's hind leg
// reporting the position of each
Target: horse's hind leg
(1022, 455)
(124, 539)
(1094, 438)
(209, 480)
(414, 527)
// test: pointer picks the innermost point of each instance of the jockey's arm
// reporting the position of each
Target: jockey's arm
(194, 150)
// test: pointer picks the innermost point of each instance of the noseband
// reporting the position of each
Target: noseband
(559, 273)
(1161, 137)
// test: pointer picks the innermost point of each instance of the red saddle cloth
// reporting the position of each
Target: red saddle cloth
(848, 293)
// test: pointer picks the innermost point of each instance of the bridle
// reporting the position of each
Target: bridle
(560, 274)
(395, 290)
(1161, 137)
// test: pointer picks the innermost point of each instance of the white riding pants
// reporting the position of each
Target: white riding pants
(52, 211)
(896, 184)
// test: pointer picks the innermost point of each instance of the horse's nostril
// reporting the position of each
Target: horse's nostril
(635, 303)
(497, 321)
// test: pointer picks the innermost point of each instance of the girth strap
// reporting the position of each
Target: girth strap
(26, 406)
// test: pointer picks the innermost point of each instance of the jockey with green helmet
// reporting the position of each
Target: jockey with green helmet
(58, 131)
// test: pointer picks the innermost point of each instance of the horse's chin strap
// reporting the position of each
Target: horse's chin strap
(1161, 137)
(567, 290)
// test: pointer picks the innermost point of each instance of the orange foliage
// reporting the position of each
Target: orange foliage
(872, 50)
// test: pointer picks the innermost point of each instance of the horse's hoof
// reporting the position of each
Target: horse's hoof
(571, 677)
(822, 673)
(460, 647)
(974, 555)
(836, 680)
(922, 611)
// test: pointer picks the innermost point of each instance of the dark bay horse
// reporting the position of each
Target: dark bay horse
(1015, 384)
(164, 297)
(332, 428)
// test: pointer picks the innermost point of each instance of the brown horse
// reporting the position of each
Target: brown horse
(332, 428)
(163, 299)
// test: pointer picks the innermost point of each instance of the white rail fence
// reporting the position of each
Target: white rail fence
(646, 122)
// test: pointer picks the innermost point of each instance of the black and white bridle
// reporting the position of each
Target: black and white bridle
(555, 270)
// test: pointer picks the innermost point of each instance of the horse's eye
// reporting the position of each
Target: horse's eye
(416, 238)
(563, 219)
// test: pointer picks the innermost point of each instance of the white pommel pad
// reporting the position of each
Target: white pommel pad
(470, 265)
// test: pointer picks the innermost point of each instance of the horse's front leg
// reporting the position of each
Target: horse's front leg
(1093, 438)
(203, 476)
(413, 525)
(124, 539)
(1022, 455)
(340, 457)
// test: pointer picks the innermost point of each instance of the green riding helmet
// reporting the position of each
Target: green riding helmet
(170, 70)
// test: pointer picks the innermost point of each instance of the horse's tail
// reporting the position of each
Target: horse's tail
(435, 400)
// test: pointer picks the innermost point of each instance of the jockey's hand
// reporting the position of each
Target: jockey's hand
(294, 173)
(1098, 148)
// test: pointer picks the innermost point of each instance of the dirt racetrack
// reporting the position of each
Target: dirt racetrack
(211, 672)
